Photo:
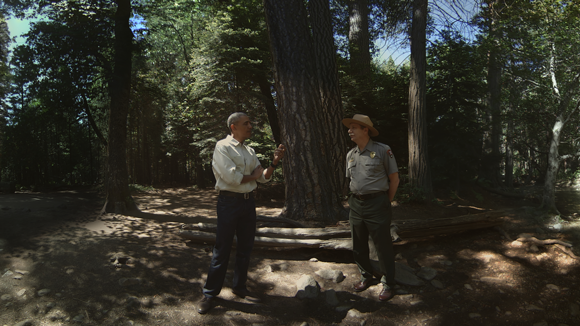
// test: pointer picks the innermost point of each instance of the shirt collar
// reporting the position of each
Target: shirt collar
(232, 141)
(367, 147)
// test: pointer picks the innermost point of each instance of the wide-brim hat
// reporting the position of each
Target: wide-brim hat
(362, 120)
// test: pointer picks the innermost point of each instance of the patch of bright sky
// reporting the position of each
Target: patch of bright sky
(454, 13)
(18, 27)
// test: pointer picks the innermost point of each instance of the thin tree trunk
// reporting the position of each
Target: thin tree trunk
(310, 191)
(265, 89)
(494, 84)
(118, 197)
(419, 170)
(509, 158)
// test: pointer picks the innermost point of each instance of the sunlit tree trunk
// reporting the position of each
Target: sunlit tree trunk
(118, 196)
(311, 193)
(419, 170)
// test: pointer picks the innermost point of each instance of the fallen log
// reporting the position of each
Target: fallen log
(339, 237)
(209, 238)
(448, 225)
(290, 233)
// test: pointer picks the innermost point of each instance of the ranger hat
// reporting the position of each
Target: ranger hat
(362, 120)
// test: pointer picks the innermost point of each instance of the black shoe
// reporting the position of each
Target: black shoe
(245, 294)
(205, 305)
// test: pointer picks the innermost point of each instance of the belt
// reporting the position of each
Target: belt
(368, 196)
(246, 195)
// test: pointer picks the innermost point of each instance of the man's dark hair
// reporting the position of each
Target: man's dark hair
(234, 118)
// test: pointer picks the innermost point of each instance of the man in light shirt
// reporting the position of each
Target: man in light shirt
(236, 169)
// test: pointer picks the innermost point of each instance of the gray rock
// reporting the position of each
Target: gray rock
(341, 308)
(468, 286)
(5, 297)
(8, 273)
(313, 260)
(24, 323)
(553, 287)
(404, 275)
(307, 287)
(331, 298)
(531, 307)
(474, 315)
(21, 292)
(79, 318)
(353, 313)
(427, 273)
(541, 323)
(43, 292)
(129, 281)
(437, 284)
(283, 267)
(331, 274)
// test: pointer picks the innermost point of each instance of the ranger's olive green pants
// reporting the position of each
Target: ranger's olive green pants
(372, 217)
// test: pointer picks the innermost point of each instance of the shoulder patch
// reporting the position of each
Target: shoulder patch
(390, 153)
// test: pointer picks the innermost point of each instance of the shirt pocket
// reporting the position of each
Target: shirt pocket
(238, 159)
(374, 166)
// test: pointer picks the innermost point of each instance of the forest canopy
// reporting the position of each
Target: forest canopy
(498, 92)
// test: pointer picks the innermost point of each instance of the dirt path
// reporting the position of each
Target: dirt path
(60, 265)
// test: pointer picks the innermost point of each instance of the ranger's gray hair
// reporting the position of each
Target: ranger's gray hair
(234, 118)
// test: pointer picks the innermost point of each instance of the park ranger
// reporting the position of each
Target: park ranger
(374, 179)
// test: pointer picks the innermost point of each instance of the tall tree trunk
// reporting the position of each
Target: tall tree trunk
(310, 192)
(509, 158)
(549, 192)
(494, 84)
(419, 169)
(327, 73)
(118, 196)
(358, 37)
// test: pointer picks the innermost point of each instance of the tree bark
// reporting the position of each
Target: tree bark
(358, 38)
(328, 82)
(311, 193)
(419, 169)
(494, 89)
(118, 196)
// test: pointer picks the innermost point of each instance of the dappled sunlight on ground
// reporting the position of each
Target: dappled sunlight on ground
(499, 270)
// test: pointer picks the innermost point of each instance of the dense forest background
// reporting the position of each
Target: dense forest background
(489, 94)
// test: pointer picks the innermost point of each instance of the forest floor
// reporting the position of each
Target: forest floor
(61, 263)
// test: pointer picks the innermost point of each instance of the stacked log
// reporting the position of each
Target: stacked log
(339, 237)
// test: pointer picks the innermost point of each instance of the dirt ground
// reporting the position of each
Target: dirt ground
(63, 264)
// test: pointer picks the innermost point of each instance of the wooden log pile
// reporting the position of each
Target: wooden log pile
(339, 237)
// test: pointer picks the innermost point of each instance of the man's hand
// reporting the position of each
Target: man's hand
(257, 172)
(279, 154)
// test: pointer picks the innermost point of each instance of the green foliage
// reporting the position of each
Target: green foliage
(454, 93)
(140, 188)
(407, 193)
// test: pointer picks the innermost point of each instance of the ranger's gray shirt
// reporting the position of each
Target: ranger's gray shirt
(369, 169)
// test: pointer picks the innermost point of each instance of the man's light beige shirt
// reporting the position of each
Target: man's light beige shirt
(231, 161)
